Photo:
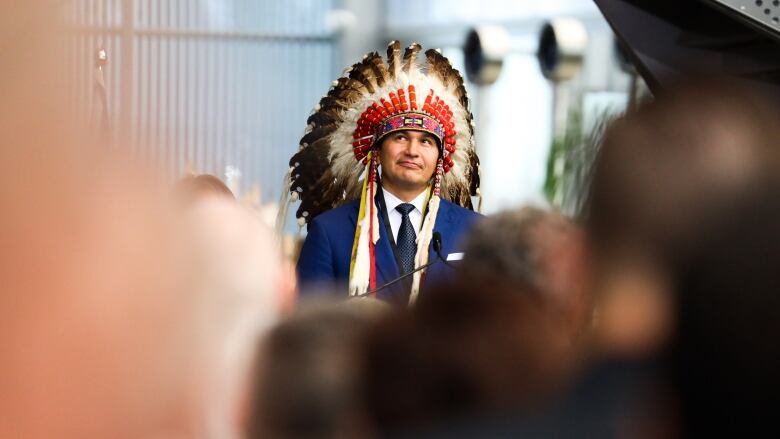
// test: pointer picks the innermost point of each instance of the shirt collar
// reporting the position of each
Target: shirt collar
(391, 201)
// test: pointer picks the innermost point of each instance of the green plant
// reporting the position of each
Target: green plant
(571, 160)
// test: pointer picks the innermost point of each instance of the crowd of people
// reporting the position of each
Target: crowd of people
(128, 311)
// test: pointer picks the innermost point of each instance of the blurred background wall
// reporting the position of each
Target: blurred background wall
(217, 86)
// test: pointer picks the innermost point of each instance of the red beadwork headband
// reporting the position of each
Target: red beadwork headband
(409, 121)
(396, 114)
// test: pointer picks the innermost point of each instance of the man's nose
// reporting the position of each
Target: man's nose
(413, 147)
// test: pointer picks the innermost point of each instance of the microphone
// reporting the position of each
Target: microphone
(437, 248)
(437, 243)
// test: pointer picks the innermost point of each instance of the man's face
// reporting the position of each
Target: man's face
(408, 159)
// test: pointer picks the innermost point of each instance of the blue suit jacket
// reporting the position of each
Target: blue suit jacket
(323, 266)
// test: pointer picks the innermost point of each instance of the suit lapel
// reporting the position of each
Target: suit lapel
(442, 226)
(386, 265)
(438, 271)
(353, 213)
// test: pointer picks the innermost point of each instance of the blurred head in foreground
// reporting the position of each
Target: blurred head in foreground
(193, 188)
(308, 371)
(460, 352)
(662, 174)
(236, 295)
(531, 250)
(119, 317)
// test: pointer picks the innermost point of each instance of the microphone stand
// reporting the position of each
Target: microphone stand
(436, 248)
(395, 281)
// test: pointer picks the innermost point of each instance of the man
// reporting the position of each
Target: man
(370, 118)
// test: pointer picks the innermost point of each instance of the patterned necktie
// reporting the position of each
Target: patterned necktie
(407, 248)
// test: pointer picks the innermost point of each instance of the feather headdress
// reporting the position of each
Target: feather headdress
(337, 163)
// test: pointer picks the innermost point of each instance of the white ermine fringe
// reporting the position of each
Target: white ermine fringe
(423, 241)
(358, 282)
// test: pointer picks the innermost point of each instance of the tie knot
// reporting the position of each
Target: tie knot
(404, 208)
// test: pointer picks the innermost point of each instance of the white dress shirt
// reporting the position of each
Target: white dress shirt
(415, 216)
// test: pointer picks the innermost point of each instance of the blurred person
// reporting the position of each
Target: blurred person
(307, 374)
(664, 185)
(532, 249)
(661, 175)
(123, 318)
(464, 351)
(193, 191)
(198, 186)
(238, 292)
(408, 131)
(92, 301)
(107, 316)
(665, 174)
